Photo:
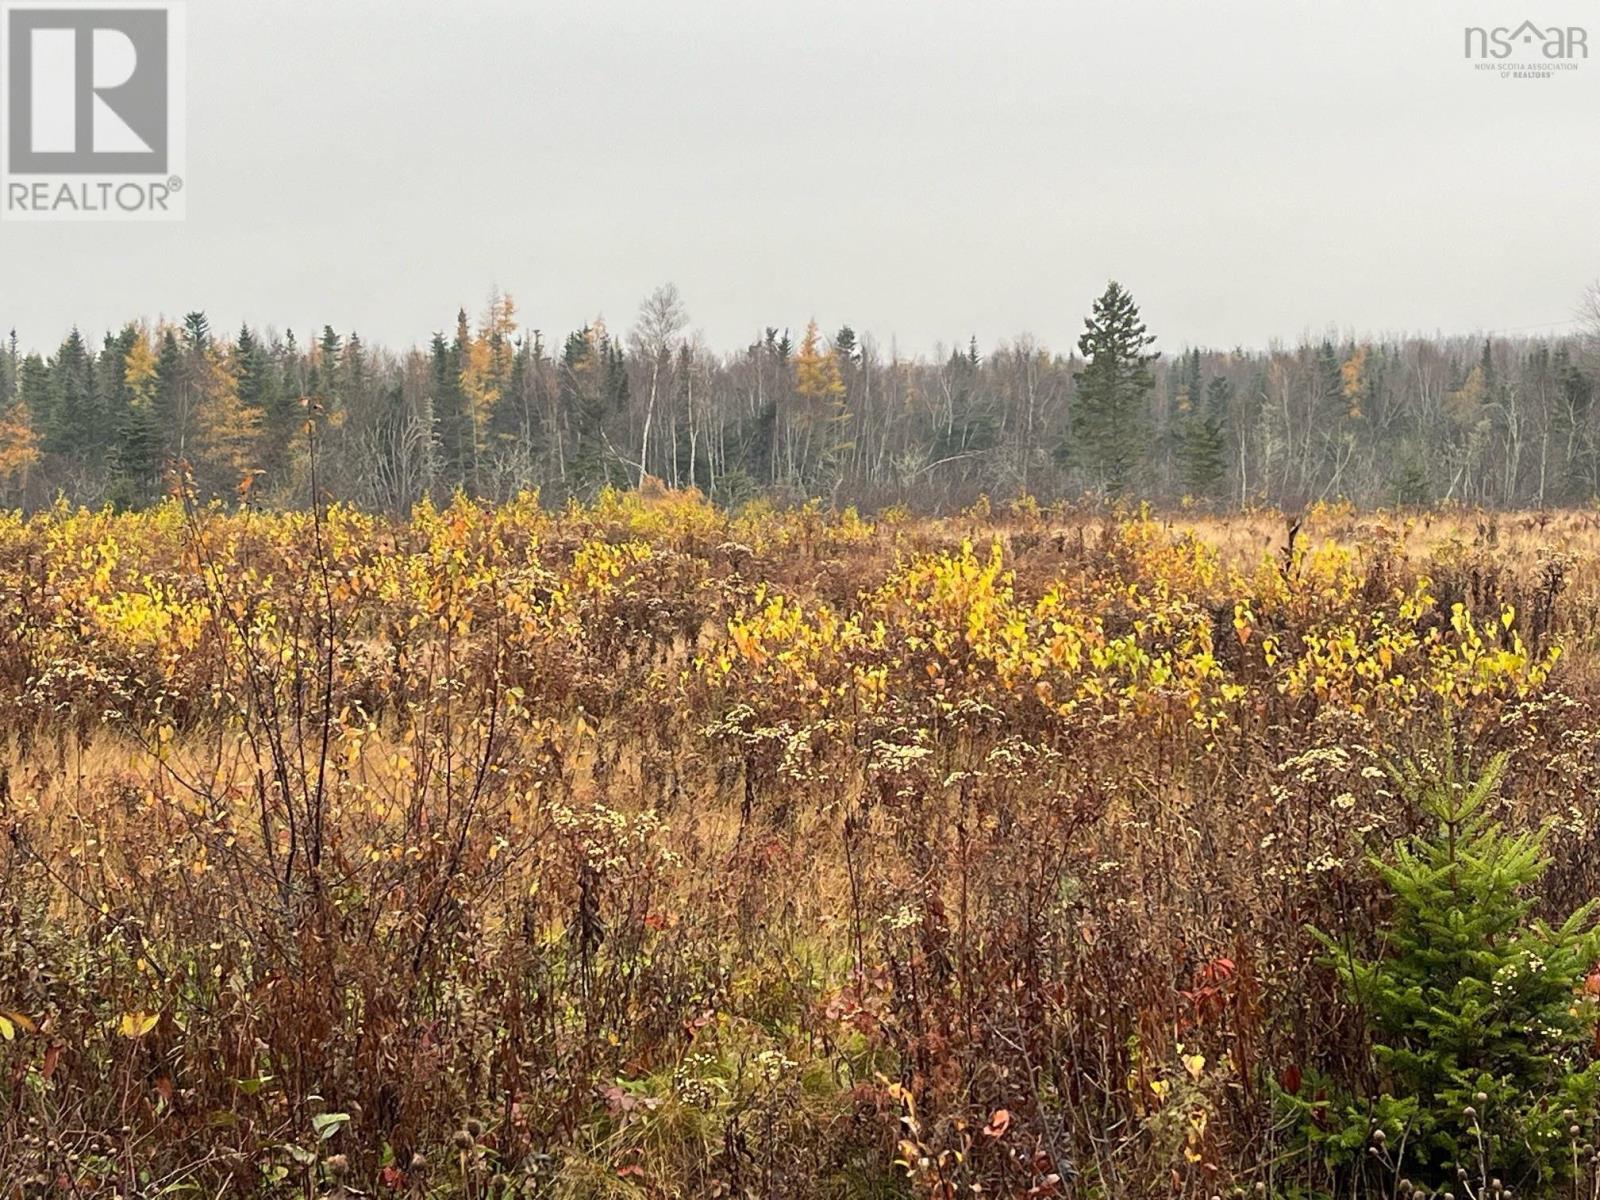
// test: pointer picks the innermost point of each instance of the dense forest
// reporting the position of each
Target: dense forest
(494, 407)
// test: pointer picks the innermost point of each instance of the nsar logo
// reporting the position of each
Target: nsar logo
(1540, 53)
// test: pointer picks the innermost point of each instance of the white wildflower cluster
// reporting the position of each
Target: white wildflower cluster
(896, 758)
(907, 916)
(773, 1065)
(800, 750)
(698, 1081)
(1320, 762)
(612, 840)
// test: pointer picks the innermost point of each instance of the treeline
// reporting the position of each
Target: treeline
(492, 407)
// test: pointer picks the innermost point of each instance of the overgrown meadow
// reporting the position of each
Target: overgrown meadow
(651, 850)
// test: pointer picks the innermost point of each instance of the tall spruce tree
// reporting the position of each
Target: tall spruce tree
(169, 401)
(196, 331)
(452, 422)
(10, 368)
(71, 419)
(110, 379)
(136, 459)
(1110, 423)
(1202, 444)
(263, 383)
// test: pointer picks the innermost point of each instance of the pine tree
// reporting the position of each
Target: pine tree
(1481, 1027)
(263, 384)
(71, 420)
(250, 369)
(1185, 397)
(1202, 443)
(136, 458)
(452, 419)
(328, 388)
(169, 401)
(580, 407)
(33, 386)
(10, 368)
(1109, 422)
(594, 387)
(110, 382)
(845, 345)
(196, 331)
(1409, 481)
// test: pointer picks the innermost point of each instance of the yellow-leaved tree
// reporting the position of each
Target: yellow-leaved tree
(228, 429)
(486, 364)
(1465, 404)
(19, 448)
(819, 385)
(1353, 379)
(139, 369)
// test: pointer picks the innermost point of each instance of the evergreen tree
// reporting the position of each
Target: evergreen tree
(262, 389)
(452, 421)
(33, 385)
(70, 419)
(586, 387)
(250, 369)
(111, 383)
(1202, 443)
(1109, 421)
(1480, 1040)
(970, 424)
(1329, 402)
(169, 403)
(137, 459)
(844, 345)
(196, 331)
(1410, 483)
(1185, 387)
(10, 368)
(327, 394)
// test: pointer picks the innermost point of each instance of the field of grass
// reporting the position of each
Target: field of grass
(647, 850)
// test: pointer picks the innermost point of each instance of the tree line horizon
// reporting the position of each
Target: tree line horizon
(492, 409)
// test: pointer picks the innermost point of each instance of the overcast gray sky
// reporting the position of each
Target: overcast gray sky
(922, 169)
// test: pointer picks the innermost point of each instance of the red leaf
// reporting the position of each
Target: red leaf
(1291, 1079)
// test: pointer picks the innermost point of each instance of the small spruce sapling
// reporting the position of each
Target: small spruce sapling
(1482, 1029)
